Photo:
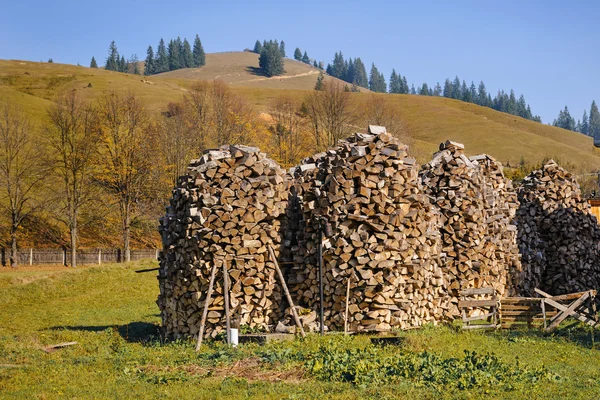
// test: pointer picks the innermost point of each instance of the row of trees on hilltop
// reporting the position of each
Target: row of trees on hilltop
(176, 55)
(354, 72)
(587, 125)
(117, 62)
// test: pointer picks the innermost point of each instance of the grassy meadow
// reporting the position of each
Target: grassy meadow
(426, 121)
(111, 312)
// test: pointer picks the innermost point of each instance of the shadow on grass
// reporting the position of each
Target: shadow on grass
(255, 71)
(134, 332)
(573, 332)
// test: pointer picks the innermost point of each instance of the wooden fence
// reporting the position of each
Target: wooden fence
(84, 256)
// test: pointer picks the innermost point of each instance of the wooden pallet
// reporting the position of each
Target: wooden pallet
(485, 308)
(524, 312)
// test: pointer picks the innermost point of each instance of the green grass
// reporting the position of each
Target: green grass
(111, 312)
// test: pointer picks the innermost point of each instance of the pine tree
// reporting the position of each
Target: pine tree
(448, 88)
(179, 45)
(424, 91)
(412, 89)
(473, 93)
(282, 48)
(395, 83)
(305, 58)
(376, 80)
(319, 85)
(360, 74)
(122, 64)
(438, 90)
(585, 127)
(297, 54)
(512, 103)
(350, 72)
(149, 68)
(482, 95)
(188, 58)
(315, 64)
(199, 57)
(257, 46)
(338, 68)
(271, 60)
(464, 91)
(50, 61)
(173, 51)
(456, 93)
(112, 61)
(565, 120)
(93, 63)
(522, 107)
(405, 89)
(162, 60)
(594, 122)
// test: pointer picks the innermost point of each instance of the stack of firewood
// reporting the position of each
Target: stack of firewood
(382, 239)
(558, 237)
(228, 209)
(477, 205)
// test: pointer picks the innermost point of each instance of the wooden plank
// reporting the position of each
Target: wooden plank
(568, 311)
(287, 292)
(479, 317)
(477, 303)
(516, 313)
(565, 297)
(520, 300)
(211, 283)
(226, 299)
(481, 326)
(476, 291)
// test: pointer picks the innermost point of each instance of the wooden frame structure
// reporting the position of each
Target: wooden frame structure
(489, 306)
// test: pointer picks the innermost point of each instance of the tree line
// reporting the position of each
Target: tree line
(587, 125)
(117, 62)
(176, 55)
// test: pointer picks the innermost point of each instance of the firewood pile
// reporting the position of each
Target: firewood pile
(383, 236)
(228, 208)
(558, 237)
(477, 206)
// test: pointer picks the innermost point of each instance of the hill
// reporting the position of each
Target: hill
(241, 69)
(427, 120)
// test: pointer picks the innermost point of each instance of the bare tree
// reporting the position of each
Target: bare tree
(330, 113)
(20, 171)
(72, 135)
(197, 112)
(379, 111)
(127, 151)
(233, 120)
(287, 131)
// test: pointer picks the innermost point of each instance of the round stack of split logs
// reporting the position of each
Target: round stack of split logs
(228, 209)
(559, 239)
(383, 240)
(477, 205)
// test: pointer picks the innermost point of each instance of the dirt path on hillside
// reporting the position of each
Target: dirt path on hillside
(280, 77)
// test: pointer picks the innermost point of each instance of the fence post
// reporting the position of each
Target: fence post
(64, 256)
(118, 255)
(156, 254)
(99, 256)
(31, 256)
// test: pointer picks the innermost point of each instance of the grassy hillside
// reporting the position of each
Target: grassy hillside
(428, 120)
(241, 69)
(110, 311)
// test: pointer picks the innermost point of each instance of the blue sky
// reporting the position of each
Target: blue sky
(547, 50)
